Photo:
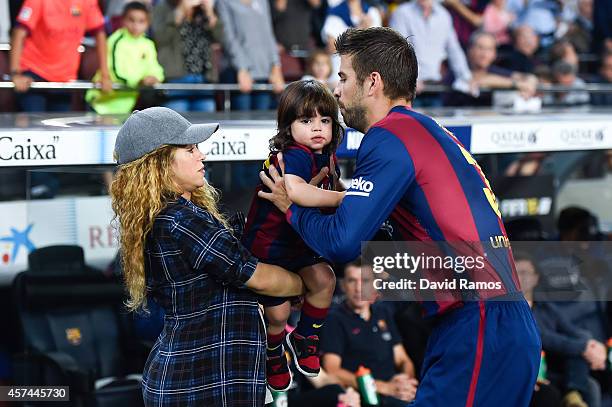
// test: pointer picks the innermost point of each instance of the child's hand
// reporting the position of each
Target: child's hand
(149, 80)
(106, 84)
(314, 181)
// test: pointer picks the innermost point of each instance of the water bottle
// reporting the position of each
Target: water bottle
(609, 343)
(543, 367)
(279, 399)
(367, 387)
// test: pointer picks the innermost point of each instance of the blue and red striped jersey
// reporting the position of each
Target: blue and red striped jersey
(413, 172)
(267, 233)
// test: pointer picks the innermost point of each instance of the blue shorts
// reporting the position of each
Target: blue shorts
(484, 354)
(294, 265)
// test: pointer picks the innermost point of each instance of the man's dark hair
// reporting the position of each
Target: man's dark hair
(521, 255)
(575, 218)
(476, 35)
(355, 263)
(382, 50)
(134, 5)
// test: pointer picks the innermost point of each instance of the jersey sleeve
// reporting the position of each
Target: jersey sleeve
(384, 172)
(298, 162)
(30, 13)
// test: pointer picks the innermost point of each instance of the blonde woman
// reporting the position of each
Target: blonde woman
(177, 250)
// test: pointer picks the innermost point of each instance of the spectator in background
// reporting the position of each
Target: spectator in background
(184, 31)
(577, 347)
(428, 26)
(605, 76)
(250, 45)
(347, 14)
(522, 58)
(563, 50)
(541, 15)
(467, 17)
(344, 15)
(360, 332)
(113, 13)
(319, 67)
(580, 29)
(482, 53)
(291, 21)
(132, 61)
(602, 26)
(566, 74)
(44, 47)
(496, 20)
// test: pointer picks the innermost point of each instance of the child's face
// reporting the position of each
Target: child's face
(320, 68)
(136, 22)
(313, 132)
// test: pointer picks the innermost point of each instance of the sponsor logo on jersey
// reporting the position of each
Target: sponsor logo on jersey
(360, 187)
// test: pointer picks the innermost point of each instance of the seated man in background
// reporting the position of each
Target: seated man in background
(360, 332)
(579, 350)
(566, 74)
(525, 44)
(605, 76)
(482, 52)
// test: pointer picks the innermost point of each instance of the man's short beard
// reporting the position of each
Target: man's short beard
(355, 117)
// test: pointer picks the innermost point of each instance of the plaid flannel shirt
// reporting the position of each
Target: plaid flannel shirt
(211, 351)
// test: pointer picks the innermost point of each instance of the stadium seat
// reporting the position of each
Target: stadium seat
(60, 258)
(293, 68)
(74, 335)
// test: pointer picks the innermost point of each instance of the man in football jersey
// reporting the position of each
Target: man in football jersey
(485, 348)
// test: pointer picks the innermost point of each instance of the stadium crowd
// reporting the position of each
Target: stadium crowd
(464, 47)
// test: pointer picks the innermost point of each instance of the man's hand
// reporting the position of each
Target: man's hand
(350, 398)
(276, 79)
(278, 194)
(245, 81)
(22, 82)
(403, 387)
(527, 85)
(400, 386)
(596, 354)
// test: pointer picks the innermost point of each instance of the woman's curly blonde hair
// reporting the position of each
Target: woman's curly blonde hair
(139, 191)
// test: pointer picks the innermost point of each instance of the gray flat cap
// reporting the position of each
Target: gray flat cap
(147, 130)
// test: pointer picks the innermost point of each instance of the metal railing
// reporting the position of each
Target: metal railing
(227, 88)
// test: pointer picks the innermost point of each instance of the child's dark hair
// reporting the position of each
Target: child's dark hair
(135, 6)
(305, 99)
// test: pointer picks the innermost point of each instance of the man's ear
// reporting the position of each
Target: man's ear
(375, 83)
